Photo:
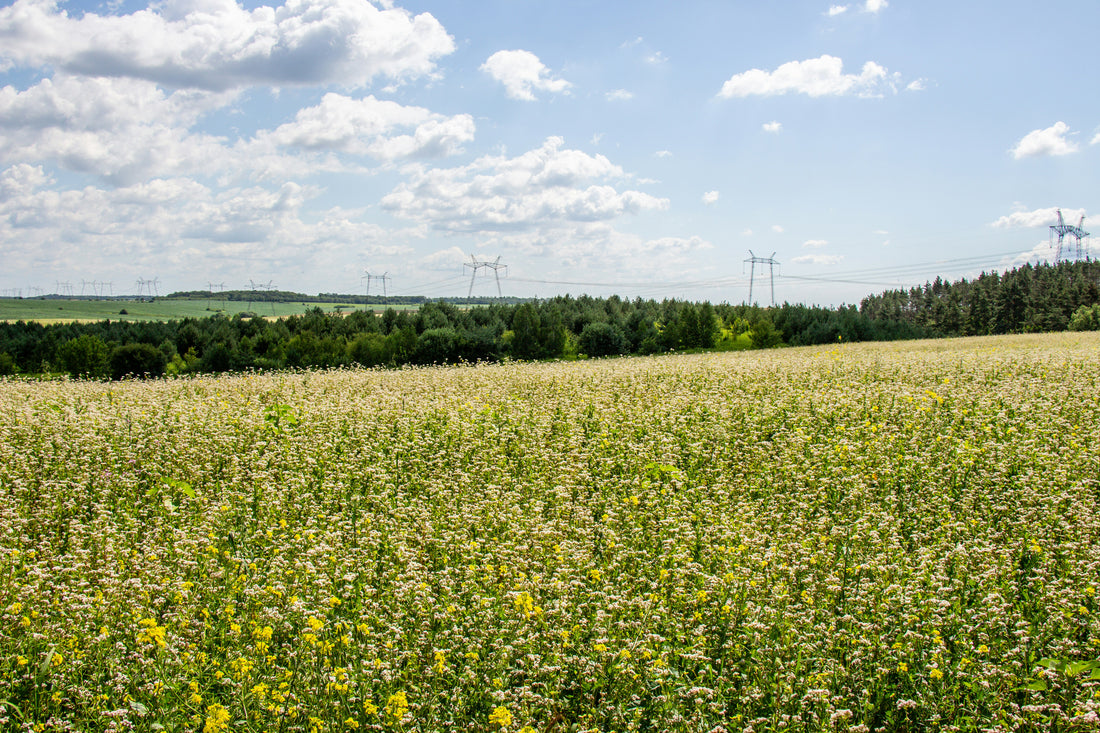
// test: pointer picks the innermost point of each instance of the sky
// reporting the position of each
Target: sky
(646, 149)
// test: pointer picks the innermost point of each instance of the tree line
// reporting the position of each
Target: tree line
(1029, 298)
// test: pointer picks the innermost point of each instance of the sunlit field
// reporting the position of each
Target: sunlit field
(851, 538)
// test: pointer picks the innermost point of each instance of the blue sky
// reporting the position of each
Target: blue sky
(640, 148)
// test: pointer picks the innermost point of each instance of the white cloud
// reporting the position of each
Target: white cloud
(619, 95)
(1049, 141)
(817, 259)
(522, 74)
(364, 127)
(777, 228)
(1095, 140)
(1041, 252)
(818, 77)
(663, 154)
(917, 85)
(815, 243)
(174, 224)
(449, 259)
(1037, 218)
(656, 58)
(219, 45)
(874, 6)
(548, 185)
(773, 127)
(123, 130)
(710, 197)
(835, 10)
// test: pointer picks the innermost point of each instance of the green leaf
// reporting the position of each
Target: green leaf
(45, 666)
(1075, 668)
(1051, 663)
(1039, 686)
(138, 708)
(181, 486)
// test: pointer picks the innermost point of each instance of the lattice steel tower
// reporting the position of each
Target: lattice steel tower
(1061, 229)
(771, 263)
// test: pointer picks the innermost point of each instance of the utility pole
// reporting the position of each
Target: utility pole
(771, 263)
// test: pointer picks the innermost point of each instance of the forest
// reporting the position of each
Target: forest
(1031, 298)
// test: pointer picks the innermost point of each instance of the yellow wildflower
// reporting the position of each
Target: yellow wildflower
(217, 719)
(500, 717)
(397, 706)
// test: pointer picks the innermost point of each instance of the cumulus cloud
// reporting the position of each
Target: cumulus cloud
(818, 77)
(522, 74)
(835, 10)
(123, 130)
(1095, 140)
(815, 243)
(365, 127)
(1037, 218)
(772, 127)
(874, 6)
(778, 229)
(917, 85)
(663, 154)
(219, 45)
(619, 95)
(176, 223)
(1041, 252)
(817, 259)
(1049, 141)
(545, 186)
(710, 197)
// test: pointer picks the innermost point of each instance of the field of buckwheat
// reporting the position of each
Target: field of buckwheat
(865, 537)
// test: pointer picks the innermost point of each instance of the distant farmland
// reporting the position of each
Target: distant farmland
(159, 309)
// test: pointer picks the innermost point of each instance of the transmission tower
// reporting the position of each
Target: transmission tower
(266, 287)
(1062, 229)
(383, 277)
(771, 263)
(475, 264)
(221, 289)
(65, 288)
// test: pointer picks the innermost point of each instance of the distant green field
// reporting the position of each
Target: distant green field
(160, 309)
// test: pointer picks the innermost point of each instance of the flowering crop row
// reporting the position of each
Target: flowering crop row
(881, 537)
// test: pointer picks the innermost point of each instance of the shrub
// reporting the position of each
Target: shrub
(84, 356)
(137, 360)
(603, 339)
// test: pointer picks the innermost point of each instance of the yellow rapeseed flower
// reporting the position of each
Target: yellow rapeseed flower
(397, 706)
(500, 717)
(217, 719)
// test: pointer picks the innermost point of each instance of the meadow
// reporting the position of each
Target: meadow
(899, 536)
(158, 309)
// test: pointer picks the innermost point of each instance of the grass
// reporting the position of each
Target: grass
(895, 537)
(159, 309)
